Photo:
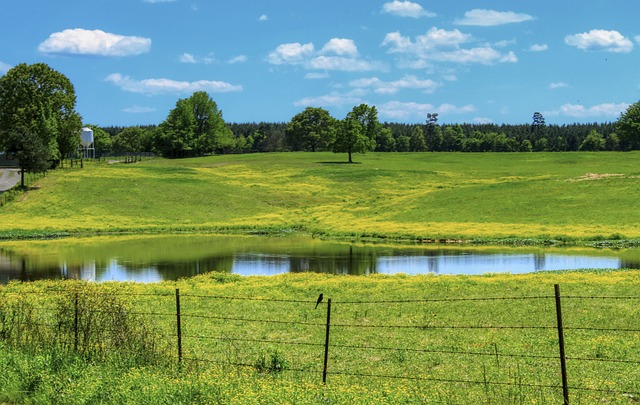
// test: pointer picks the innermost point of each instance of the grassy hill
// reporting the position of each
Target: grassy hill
(563, 196)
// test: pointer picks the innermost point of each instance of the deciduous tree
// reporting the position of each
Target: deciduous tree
(628, 127)
(358, 131)
(314, 129)
(36, 100)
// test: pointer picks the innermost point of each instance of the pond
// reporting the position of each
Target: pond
(156, 258)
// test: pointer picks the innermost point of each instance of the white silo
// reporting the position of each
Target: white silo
(86, 143)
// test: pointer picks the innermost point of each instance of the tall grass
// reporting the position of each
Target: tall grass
(426, 196)
(230, 358)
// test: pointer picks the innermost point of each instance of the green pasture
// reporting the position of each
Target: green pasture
(561, 196)
(257, 340)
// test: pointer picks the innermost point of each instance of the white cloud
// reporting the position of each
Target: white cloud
(96, 42)
(407, 82)
(4, 67)
(406, 9)
(558, 85)
(482, 120)
(330, 100)
(168, 86)
(439, 45)
(406, 110)
(341, 46)
(608, 110)
(340, 63)
(488, 18)
(193, 59)
(187, 58)
(136, 109)
(600, 40)
(263, 17)
(237, 59)
(337, 54)
(538, 47)
(292, 53)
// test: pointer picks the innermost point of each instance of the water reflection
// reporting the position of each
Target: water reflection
(156, 258)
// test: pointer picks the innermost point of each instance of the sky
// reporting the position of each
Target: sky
(477, 61)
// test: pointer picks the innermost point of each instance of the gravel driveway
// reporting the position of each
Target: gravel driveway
(8, 178)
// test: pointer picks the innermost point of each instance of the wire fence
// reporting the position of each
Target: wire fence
(567, 346)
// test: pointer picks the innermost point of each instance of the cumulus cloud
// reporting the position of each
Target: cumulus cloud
(79, 41)
(482, 120)
(604, 110)
(292, 53)
(440, 45)
(407, 110)
(488, 18)
(393, 87)
(341, 46)
(4, 67)
(187, 58)
(263, 17)
(600, 40)
(337, 54)
(237, 59)
(168, 86)
(406, 9)
(538, 47)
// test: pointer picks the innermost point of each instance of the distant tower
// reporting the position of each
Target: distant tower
(86, 144)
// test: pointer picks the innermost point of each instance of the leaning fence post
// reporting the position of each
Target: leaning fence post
(326, 343)
(179, 325)
(563, 360)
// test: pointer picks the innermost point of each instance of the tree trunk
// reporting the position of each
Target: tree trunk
(350, 161)
(22, 178)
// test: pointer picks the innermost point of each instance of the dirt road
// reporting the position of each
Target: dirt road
(8, 178)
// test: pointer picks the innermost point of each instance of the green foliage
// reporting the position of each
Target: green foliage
(417, 142)
(314, 129)
(274, 364)
(37, 100)
(194, 128)
(628, 127)
(358, 131)
(593, 142)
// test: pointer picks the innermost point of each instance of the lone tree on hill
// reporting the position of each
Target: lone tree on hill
(358, 131)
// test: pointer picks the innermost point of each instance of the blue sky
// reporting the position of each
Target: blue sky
(469, 61)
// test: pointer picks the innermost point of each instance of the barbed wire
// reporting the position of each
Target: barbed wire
(252, 340)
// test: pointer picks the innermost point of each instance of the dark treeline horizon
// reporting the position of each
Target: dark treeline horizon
(437, 137)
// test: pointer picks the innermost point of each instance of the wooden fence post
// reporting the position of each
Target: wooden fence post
(75, 324)
(563, 360)
(326, 343)
(179, 325)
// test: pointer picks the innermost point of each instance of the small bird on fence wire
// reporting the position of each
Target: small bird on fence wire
(318, 301)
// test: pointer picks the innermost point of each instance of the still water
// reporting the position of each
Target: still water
(156, 258)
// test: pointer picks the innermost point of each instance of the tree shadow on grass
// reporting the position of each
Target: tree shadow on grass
(339, 163)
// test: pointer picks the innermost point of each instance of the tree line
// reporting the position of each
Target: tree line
(253, 137)
(39, 126)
